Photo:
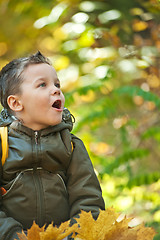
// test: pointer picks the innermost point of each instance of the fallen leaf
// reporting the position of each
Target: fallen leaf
(58, 233)
(22, 236)
(106, 227)
(34, 231)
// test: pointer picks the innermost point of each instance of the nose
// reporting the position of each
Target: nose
(55, 90)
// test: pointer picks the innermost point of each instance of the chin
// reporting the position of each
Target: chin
(56, 121)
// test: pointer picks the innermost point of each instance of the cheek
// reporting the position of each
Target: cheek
(63, 98)
(41, 99)
(41, 104)
(35, 103)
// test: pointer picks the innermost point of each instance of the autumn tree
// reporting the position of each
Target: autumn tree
(107, 56)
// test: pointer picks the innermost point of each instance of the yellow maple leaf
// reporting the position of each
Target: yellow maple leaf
(58, 233)
(86, 225)
(106, 219)
(106, 227)
(121, 231)
(32, 233)
(22, 236)
(91, 229)
(145, 233)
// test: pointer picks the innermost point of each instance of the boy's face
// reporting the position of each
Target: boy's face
(41, 97)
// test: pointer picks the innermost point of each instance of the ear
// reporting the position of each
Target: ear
(14, 103)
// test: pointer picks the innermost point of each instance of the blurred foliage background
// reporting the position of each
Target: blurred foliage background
(107, 56)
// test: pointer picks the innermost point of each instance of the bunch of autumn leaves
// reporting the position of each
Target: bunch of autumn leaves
(106, 227)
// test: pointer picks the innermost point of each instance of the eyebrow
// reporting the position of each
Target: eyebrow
(38, 80)
(43, 79)
(58, 80)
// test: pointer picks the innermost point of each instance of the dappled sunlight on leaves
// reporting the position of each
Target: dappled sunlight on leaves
(139, 25)
(106, 55)
(3, 48)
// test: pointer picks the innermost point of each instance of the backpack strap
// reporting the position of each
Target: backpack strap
(4, 143)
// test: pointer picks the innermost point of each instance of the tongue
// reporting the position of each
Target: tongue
(56, 104)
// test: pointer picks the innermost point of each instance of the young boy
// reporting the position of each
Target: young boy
(47, 176)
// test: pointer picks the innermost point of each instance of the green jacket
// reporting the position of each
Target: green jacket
(48, 177)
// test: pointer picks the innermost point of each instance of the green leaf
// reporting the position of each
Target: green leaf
(137, 91)
(152, 132)
(125, 158)
(144, 179)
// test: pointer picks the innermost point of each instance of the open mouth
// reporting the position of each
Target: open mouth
(57, 104)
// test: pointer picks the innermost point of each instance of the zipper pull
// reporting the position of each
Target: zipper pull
(36, 137)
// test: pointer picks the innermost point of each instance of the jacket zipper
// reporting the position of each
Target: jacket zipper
(36, 137)
(64, 185)
(40, 199)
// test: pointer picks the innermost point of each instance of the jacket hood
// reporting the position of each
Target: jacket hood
(67, 123)
(5, 118)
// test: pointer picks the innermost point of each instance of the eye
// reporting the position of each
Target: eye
(42, 84)
(57, 85)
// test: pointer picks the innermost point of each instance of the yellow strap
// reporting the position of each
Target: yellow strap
(4, 143)
(72, 146)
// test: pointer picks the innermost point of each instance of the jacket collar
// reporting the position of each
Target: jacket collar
(18, 126)
(8, 120)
